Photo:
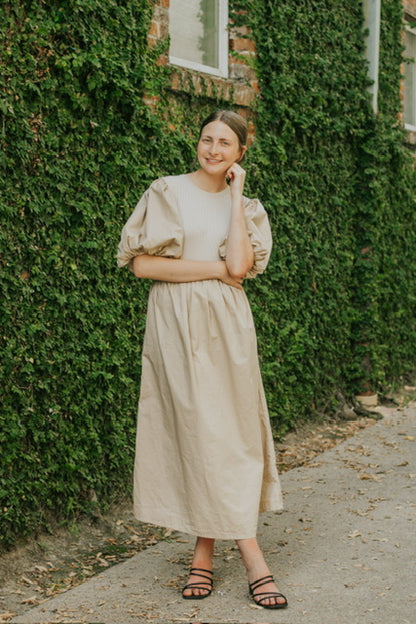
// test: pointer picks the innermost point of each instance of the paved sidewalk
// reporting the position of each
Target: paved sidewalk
(343, 550)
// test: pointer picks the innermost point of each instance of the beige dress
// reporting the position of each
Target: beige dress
(205, 460)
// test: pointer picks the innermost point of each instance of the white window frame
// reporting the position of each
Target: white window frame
(408, 126)
(222, 69)
(372, 10)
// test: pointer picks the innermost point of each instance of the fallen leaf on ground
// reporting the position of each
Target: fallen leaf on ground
(31, 600)
(369, 477)
(354, 534)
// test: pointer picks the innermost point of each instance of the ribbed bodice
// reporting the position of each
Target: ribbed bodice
(205, 218)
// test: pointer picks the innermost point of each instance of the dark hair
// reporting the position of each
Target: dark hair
(236, 122)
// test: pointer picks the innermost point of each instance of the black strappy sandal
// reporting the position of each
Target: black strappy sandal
(199, 585)
(266, 595)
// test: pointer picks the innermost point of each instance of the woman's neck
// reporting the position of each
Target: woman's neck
(206, 182)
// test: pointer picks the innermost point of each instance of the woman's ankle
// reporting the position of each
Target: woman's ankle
(253, 559)
(203, 553)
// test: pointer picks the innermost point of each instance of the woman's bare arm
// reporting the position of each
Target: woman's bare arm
(178, 270)
(240, 256)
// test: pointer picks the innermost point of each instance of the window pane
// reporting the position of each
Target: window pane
(409, 79)
(194, 31)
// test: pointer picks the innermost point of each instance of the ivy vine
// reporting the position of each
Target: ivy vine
(335, 310)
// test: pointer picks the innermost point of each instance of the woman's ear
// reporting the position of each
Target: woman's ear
(243, 150)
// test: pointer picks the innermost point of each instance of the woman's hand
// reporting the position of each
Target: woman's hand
(236, 282)
(236, 176)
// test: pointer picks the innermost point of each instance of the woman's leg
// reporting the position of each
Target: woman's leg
(256, 567)
(203, 553)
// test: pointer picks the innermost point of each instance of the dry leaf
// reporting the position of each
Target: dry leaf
(369, 477)
(31, 600)
(354, 534)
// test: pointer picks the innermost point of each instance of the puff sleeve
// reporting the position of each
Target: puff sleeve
(153, 228)
(259, 231)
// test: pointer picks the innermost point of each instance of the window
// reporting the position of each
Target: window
(372, 27)
(410, 79)
(199, 36)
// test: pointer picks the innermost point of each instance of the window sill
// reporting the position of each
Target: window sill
(410, 136)
(234, 91)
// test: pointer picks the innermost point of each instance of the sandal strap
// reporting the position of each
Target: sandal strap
(193, 572)
(205, 586)
(267, 595)
(198, 586)
(201, 570)
(261, 581)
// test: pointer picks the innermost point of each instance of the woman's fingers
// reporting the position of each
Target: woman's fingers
(236, 283)
(236, 174)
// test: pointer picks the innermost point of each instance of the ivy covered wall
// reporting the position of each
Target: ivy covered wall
(341, 189)
(335, 310)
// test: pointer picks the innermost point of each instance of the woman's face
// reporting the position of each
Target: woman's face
(218, 148)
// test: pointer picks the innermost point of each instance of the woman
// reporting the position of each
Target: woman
(205, 460)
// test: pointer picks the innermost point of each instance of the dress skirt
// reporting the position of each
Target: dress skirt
(205, 461)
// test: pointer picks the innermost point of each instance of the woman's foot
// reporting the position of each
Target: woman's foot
(199, 586)
(265, 593)
(262, 586)
(200, 579)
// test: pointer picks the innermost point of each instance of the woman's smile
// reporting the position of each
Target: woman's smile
(213, 160)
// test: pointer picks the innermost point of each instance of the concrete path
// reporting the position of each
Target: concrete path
(343, 551)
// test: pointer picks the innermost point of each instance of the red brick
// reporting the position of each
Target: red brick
(410, 7)
(154, 30)
(242, 45)
(175, 81)
(243, 95)
(255, 86)
(162, 60)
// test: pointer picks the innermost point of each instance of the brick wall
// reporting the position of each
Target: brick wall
(240, 87)
(409, 7)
